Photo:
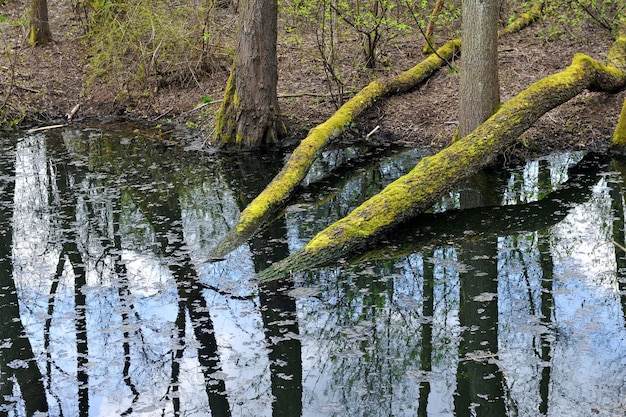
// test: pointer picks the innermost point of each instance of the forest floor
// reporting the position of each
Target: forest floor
(42, 84)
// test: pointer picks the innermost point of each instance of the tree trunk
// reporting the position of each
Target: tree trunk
(433, 176)
(430, 28)
(618, 59)
(479, 90)
(297, 167)
(249, 115)
(619, 137)
(39, 32)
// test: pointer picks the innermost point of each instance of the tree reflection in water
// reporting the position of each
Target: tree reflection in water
(19, 373)
(109, 309)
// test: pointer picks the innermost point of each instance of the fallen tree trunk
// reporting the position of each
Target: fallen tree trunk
(433, 176)
(296, 168)
(456, 226)
(300, 161)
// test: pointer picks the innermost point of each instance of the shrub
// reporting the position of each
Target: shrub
(145, 45)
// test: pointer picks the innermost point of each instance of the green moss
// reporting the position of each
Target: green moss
(410, 78)
(524, 19)
(619, 136)
(225, 118)
(303, 157)
(419, 189)
(617, 54)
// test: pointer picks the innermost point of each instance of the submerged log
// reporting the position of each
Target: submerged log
(433, 176)
(264, 206)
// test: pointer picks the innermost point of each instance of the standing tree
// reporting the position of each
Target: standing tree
(249, 116)
(39, 32)
(479, 90)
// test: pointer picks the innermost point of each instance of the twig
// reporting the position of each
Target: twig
(30, 90)
(376, 129)
(292, 95)
(618, 245)
(72, 112)
(199, 106)
(40, 129)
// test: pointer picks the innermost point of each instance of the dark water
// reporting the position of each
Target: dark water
(108, 307)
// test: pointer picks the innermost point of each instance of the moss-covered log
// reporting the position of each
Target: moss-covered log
(298, 165)
(433, 176)
(523, 19)
(454, 226)
(296, 168)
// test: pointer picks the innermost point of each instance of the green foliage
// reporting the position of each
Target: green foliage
(572, 16)
(374, 21)
(21, 21)
(145, 45)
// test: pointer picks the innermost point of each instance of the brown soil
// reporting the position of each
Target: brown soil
(46, 83)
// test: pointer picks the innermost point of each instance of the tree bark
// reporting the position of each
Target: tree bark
(297, 167)
(39, 32)
(249, 115)
(619, 136)
(479, 89)
(617, 58)
(418, 190)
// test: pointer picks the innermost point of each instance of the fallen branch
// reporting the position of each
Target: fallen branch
(44, 128)
(30, 90)
(71, 113)
(288, 95)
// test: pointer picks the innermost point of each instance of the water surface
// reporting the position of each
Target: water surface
(508, 300)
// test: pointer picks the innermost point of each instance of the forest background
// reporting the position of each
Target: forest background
(166, 63)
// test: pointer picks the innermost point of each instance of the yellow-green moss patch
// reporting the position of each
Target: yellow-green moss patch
(419, 189)
(619, 136)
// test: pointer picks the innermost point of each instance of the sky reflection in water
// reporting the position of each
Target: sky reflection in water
(104, 248)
